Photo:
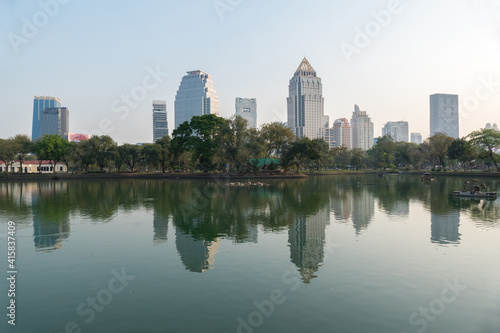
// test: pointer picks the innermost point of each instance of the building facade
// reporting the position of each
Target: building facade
(416, 138)
(54, 121)
(41, 103)
(196, 97)
(398, 130)
(444, 115)
(305, 103)
(342, 133)
(362, 129)
(160, 122)
(33, 167)
(247, 109)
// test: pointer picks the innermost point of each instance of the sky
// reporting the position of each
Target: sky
(108, 60)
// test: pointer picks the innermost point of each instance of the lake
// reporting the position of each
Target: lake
(324, 254)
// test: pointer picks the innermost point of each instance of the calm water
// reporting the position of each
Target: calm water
(327, 254)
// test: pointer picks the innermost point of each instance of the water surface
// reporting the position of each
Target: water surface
(326, 254)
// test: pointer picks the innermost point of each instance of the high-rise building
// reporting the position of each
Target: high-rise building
(489, 126)
(444, 115)
(196, 97)
(398, 130)
(416, 138)
(342, 133)
(54, 121)
(247, 109)
(329, 137)
(41, 103)
(160, 122)
(306, 104)
(362, 129)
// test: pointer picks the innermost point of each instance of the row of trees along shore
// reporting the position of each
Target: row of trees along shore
(209, 144)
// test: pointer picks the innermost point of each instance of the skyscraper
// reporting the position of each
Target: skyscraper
(160, 122)
(362, 129)
(196, 97)
(247, 109)
(342, 133)
(416, 138)
(398, 130)
(305, 103)
(444, 114)
(54, 121)
(40, 103)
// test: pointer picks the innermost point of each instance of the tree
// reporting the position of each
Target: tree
(436, 148)
(357, 158)
(341, 156)
(180, 143)
(50, 147)
(204, 140)
(23, 146)
(102, 149)
(7, 152)
(233, 139)
(487, 140)
(301, 151)
(275, 137)
(83, 154)
(129, 154)
(383, 152)
(463, 151)
(164, 153)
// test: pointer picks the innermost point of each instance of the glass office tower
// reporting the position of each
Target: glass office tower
(41, 103)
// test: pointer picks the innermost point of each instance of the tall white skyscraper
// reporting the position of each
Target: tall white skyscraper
(247, 109)
(305, 103)
(362, 129)
(398, 130)
(444, 114)
(160, 122)
(196, 97)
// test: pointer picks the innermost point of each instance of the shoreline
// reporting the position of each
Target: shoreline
(231, 176)
(159, 176)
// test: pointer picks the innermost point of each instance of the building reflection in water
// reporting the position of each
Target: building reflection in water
(306, 237)
(51, 218)
(444, 228)
(160, 228)
(197, 255)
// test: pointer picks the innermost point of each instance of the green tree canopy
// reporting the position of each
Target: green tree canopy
(487, 140)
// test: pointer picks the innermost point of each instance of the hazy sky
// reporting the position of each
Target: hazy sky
(385, 56)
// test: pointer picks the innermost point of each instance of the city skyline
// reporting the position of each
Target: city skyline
(391, 73)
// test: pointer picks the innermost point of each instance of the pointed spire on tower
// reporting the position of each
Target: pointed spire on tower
(305, 66)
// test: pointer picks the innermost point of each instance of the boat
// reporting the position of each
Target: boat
(469, 194)
(427, 177)
(472, 189)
